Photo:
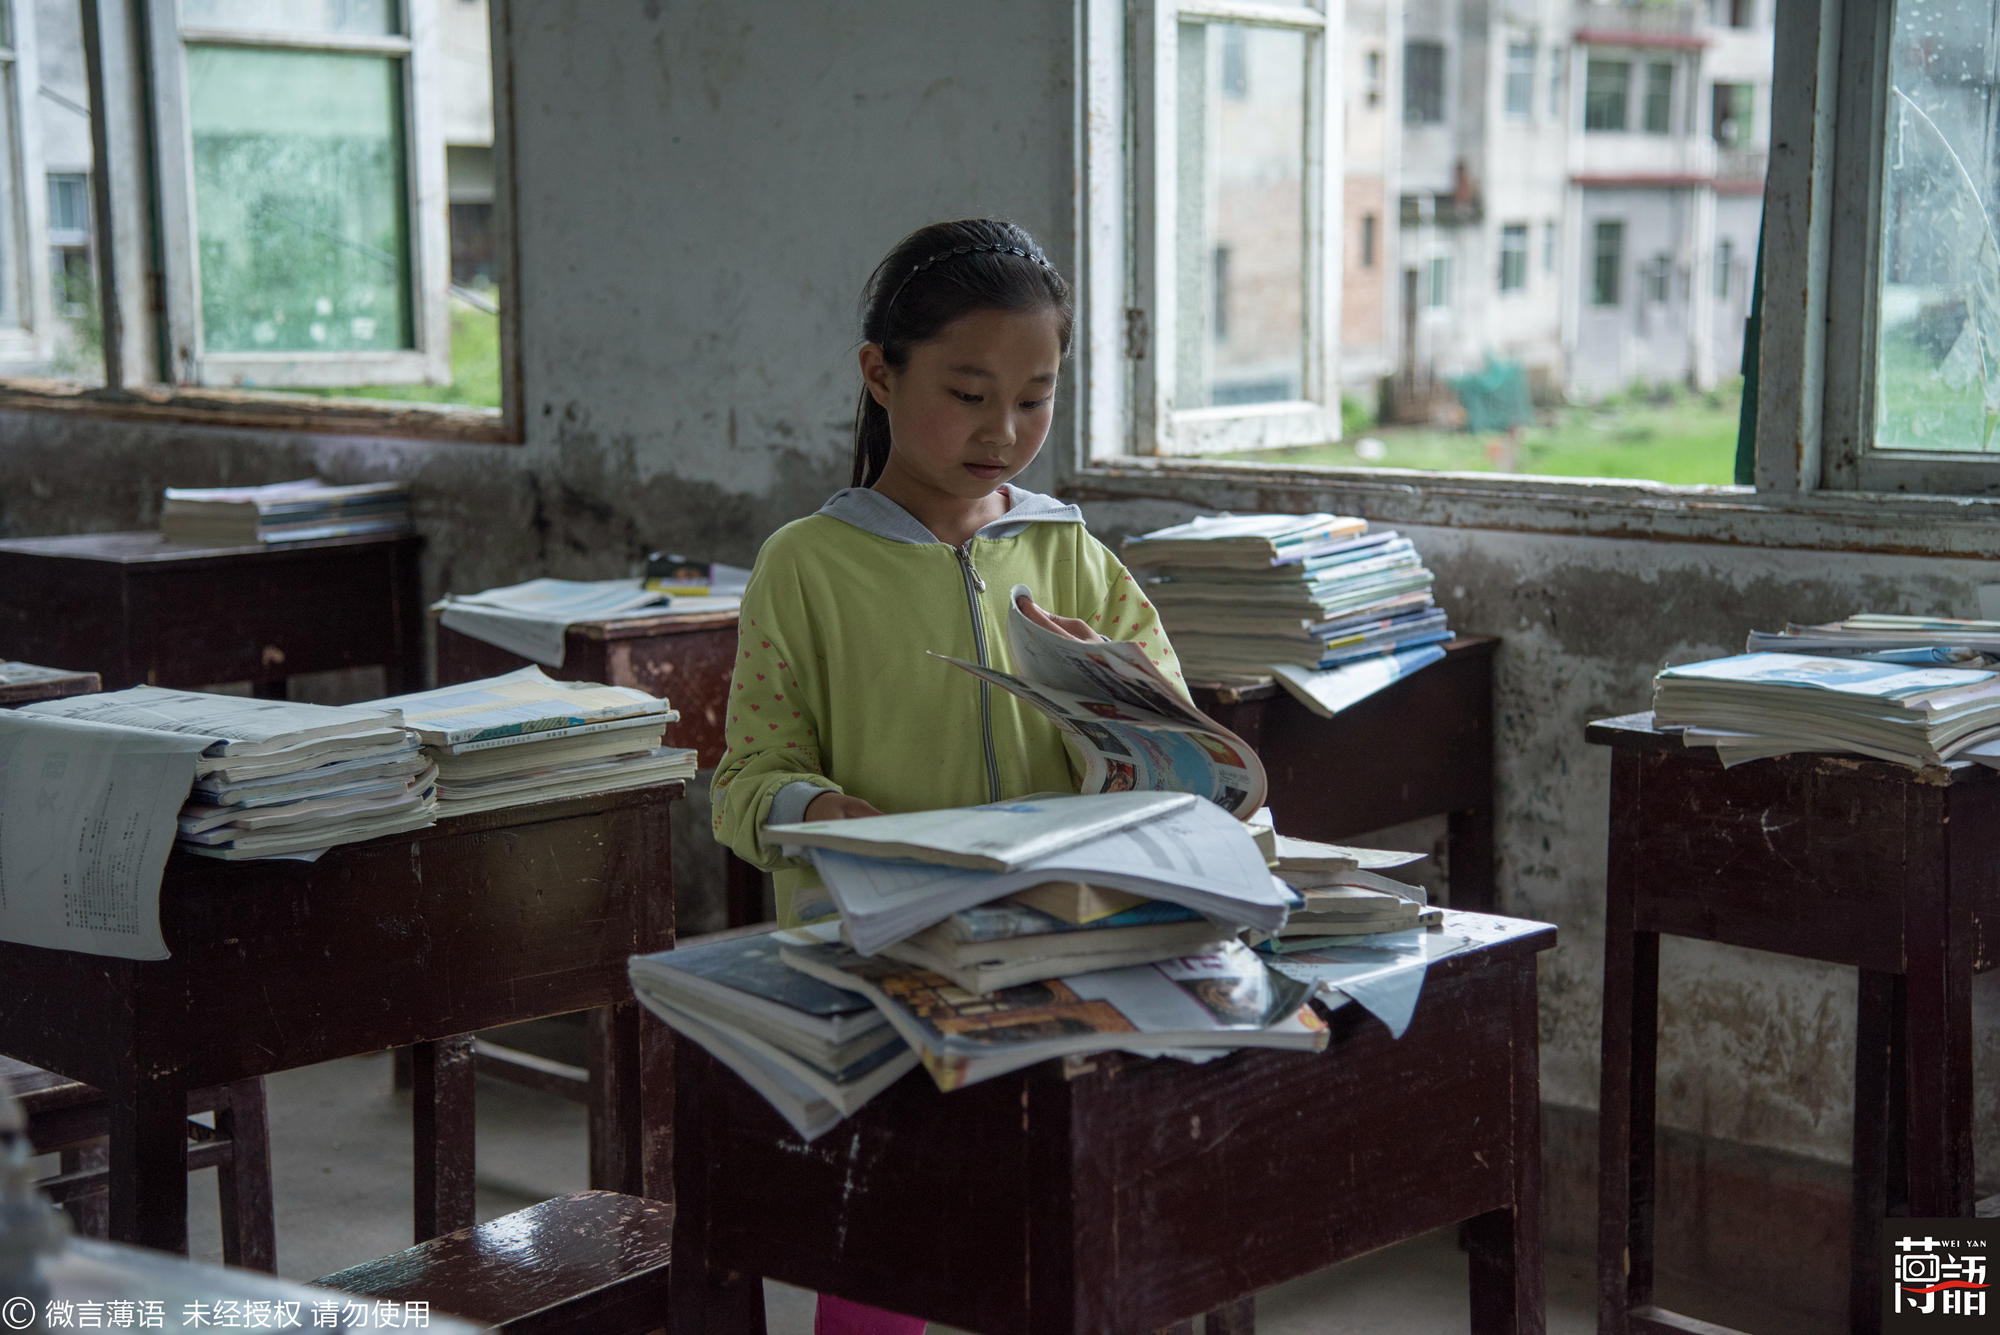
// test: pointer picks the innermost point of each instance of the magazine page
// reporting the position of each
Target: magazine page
(997, 836)
(1130, 728)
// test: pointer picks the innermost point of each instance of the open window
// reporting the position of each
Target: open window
(24, 280)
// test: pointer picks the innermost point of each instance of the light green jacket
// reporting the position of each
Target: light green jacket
(835, 687)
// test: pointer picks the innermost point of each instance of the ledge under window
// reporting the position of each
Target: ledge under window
(265, 409)
(1906, 525)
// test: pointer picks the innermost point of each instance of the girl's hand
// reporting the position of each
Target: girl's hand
(1066, 626)
(839, 806)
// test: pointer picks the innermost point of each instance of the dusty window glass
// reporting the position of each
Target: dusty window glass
(301, 230)
(1659, 97)
(13, 273)
(1241, 190)
(1423, 83)
(1938, 318)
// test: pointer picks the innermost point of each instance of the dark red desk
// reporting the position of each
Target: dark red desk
(418, 938)
(1125, 1195)
(1422, 746)
(1825, 857)
(141, 611)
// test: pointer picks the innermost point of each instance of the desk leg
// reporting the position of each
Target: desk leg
(1937, 1060)
(1469, 860)
(1504, 1247)
(631, 1102)
(743, 892)
(1625, 1119)
(441, 1122)
(702, 1301)
(1875, 1050)
(149, 1163)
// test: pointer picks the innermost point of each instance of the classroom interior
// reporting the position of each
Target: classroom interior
(692, 196)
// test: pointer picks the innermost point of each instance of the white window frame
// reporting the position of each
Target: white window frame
(1158, 424)
(1512, 46)
(188, 361)
(31, 341)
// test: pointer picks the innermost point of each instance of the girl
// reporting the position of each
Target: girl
(836, 708)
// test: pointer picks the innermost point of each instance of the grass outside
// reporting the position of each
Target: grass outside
(1664, 434)
(475, 367)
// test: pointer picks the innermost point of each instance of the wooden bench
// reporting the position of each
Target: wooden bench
(592, 1260)
(72, 1119)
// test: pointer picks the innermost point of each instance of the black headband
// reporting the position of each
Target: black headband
(990, 247)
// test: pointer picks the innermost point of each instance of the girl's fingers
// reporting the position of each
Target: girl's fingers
(1069, 626)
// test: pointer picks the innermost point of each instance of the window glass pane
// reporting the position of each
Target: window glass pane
(1423, 83)
(1241, 191)
(1938, 325)
(1520, 78)
(13, 273)
(1513, 257)
(1730, 115)
(299, 183)
(1607, 256)
(1659, 97)
(1607, 88)
(355, 18)
(1439, 286)
(69, 208)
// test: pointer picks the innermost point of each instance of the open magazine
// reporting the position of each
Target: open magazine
(1131, 728)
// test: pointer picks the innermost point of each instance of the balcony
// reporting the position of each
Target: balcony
(1665, 23)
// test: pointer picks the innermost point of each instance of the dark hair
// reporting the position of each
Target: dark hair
(935, 275)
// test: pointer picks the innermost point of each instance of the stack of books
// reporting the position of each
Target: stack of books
(282, 512)
(814, 1051)
(1345, 894)
(1766, 704)
(280, 779)
(1890, 639)
(524, 737)
(1243, 594)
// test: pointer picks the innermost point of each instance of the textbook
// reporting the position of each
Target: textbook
(1227, 998)
(999, 836)
(1131, 728)
(1198, 856)
(282, 512)
(1007, 919)
(1251, 541)
(240, 725)
(815, 1052)
(1328, 691)
(988, 966)
(522, 703)
(1753, 703)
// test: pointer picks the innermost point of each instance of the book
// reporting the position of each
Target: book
(1009, 919)
(653, 721)
(982, 967)
(680, 576)
(998, 836)
(610, 774)
(240, 725)
(1076, 903)
(1328, 691)
(522, 703)
(1258, 540)
(296, 511)
(1227, 998)
(1129, 726)
(1198, 856)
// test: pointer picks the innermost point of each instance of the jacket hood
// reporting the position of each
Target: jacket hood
(872, 512)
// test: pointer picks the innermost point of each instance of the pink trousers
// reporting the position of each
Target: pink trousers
(837, 1316)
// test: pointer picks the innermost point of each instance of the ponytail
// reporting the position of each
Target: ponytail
(871, 440)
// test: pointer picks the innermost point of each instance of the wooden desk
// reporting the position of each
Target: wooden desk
(417, 938)
(1835, 858)
(142, 611)
(1422, 746)
(24, 683)
(1125, 1195)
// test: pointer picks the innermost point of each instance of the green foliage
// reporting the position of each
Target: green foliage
(475, 367)
(1688, 440)
(1355, 416)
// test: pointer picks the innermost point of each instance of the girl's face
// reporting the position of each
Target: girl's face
(972, 406)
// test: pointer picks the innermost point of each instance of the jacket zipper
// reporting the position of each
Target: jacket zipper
(974, 586)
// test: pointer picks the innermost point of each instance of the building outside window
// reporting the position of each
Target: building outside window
(1555, 83)
(1549, 247)
(1659, 279)
(1521, 79)
(1372, 78)
(1437, 282)
(1659, 97)
(1513, 257)
(1607, 92)
(1367, 240)
(1607, 257)
(1725, 261)
(70, 280)
(1732, 110)
(1423, 83)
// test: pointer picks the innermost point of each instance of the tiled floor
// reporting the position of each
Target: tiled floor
(341, 1164)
